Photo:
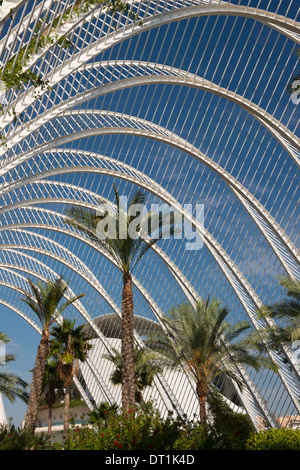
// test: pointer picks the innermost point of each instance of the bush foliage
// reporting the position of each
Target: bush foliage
(275, 439)
(12, 438)
(143, 428)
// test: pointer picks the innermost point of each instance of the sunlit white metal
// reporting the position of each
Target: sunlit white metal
(287, 27)
(248, 395)
(135, 125)
(239, 190)
(15, 260)
(37, 247)
(162, 74)
(256, 210)
(11, 282)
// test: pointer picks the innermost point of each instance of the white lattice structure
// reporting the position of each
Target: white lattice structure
(190, 104)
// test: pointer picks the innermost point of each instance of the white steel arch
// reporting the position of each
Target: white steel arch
(147, 73)
(251, 204)
(286, 27)
(10, 278)
(156, 132)
(254, 297)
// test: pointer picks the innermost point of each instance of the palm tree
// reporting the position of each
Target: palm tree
(44, 301)
(146, 366)
(52, 385)
(68, 344)
(99, 415)
(202, 343)
(287, 312)
(126, 251)
(11, 385)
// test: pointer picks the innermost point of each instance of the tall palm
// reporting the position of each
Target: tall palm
(286, 316)
(11, 385)
(68, 344)
(146, 366)
(52, 386)
(127, 251)
(45, 300)
(202, 343)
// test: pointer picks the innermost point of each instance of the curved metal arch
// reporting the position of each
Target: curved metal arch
(129, 171)
(244, 306)
(144, 178)
(78, 305)
(214, 247)
(216, 250)
(88, 276)
(152, 304)
(82, 311)
(78, 267)
(10, 267)
(101, 383)
(252, 403)
(245, 400)
(15, 309)
(157, 133)
(84, 238)
(285, 25)
(93, 283)
(170, 76)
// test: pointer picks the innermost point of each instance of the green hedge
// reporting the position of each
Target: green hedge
(143, 428)
(275, 439)
(151, 432)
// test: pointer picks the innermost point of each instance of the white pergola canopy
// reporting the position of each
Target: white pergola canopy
(190, 104)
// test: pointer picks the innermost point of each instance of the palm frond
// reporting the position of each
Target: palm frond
(126, 249)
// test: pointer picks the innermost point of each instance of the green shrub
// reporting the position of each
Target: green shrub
(229, 430)
(12, 438)
(194, 437)
(141, 429)
(275, 439)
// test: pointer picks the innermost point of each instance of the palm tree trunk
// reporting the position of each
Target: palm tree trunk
(49, 420)
(128, 382)
(201, 389)
(37, 382)
(67, 408)
(50, 400)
